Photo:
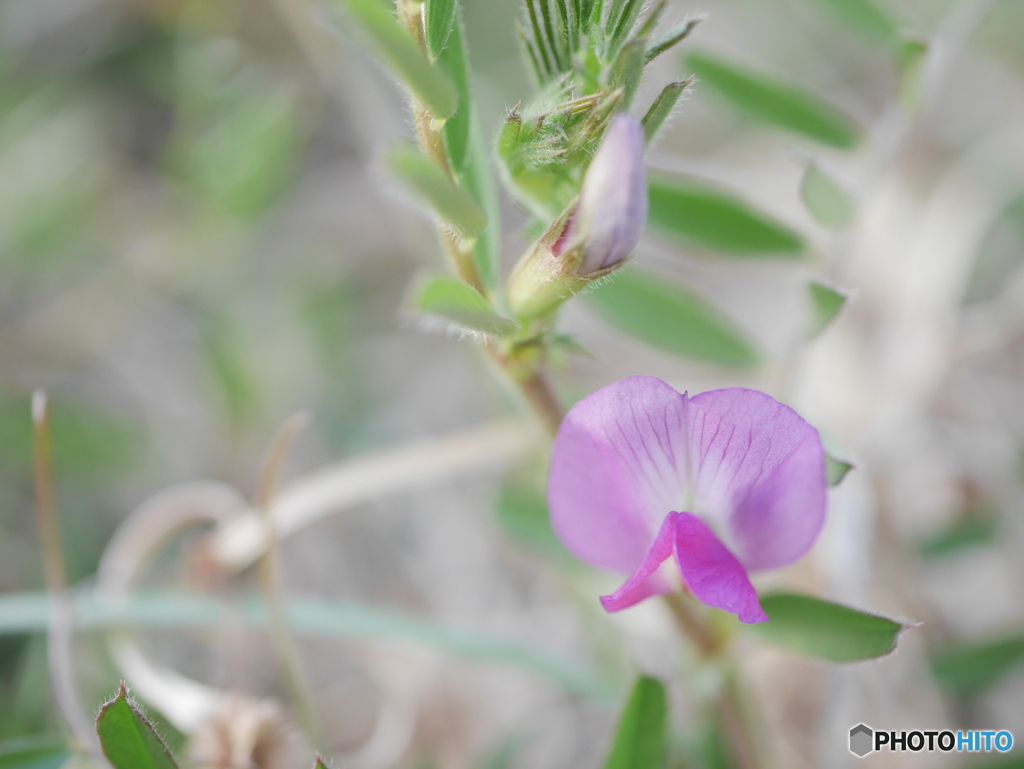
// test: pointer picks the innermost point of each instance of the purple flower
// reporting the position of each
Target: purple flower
(728, 481)
(612, 209)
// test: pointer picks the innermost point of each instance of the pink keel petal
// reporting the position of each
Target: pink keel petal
(644, 583)
(711, 572)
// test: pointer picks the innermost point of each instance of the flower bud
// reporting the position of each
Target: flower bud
(595, 234)
(612, 209)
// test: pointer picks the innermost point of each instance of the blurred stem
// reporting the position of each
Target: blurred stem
(524, 366)
(733, 711)
(272, 584)
(62, 617)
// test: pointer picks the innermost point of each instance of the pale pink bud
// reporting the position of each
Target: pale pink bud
(612, 208)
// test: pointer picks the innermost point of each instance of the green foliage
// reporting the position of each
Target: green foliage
(706, 216)
(865, 17)
(458, 304)
(671, 318)
(836, 469)
(450, 202)
(973, 531)
(640, 737)
(825, 199)
(523, 511)
(825, 630)
(404, 58)
(662, 107)
(319, 764)
(469, 156)
(128, 739)
(826, 303)
(438, 21)
(972, 668)
(775, 102)
(35, 752)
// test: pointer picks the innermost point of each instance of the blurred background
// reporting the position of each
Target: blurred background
(197, 240)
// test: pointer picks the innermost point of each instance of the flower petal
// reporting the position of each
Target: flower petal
(711, 572)
(618, 467)
(645, 581)
(759, 469)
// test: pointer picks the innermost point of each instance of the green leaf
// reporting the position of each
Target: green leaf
(837, 464)
(320, 764)
(825, 630)
(662, 107)
(826, 302)
(836, 469)
(775, 102)
(671, 38)
(523, 511)
(454, 63)
(30, 612)
(706, 216)
(129, 741)
(438, 20)
(455, 302)
(828, 203)
(671, 318)
(640, 737)
(970, 533)
(973, 668)
(469, 156)
(865, 17)
(452, 203)
(34, 752)
(403, 57)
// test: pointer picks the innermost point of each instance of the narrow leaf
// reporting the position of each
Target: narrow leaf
(32, 753)
(825, 630)
(865, 17)
(662, 107)
(455, 302)
(707, 216)
(973, 668)
(468, 153)
(629, 69)
(453, 62)
(402, 55)
(640, 737)
(438, 19)
(826, 303)
(320, 764)
(452, 203)
(775, 102)
(129, 741)
(671, 39)
(825, 199)
(968, 534)
(671, 318)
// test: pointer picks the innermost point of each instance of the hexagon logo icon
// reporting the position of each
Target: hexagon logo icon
(861, 740)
